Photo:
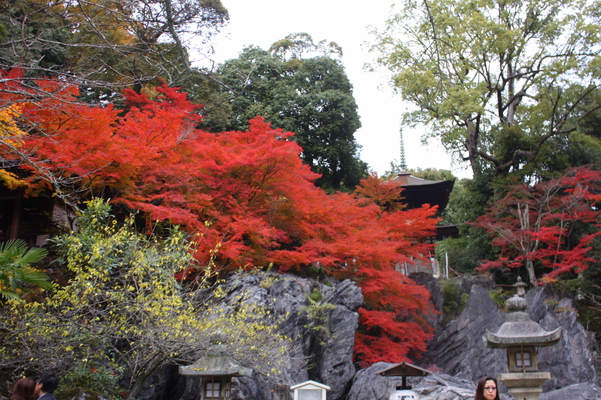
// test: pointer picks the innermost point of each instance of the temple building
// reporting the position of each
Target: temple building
(417, 192)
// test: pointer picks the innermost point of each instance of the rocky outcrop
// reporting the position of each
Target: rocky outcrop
(579, 391)
(368, 385)
(436, 298)
(456, 355)
(329, 355)
(458, 349)
(573, 360)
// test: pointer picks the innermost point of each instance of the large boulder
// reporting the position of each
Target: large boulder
(579, 391)
(369, 385)
(574, 359)
(459, 350)
(328, 352)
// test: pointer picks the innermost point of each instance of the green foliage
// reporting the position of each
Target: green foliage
(315, 297)
(311, 97)
(499, 297)
(104, 46)
(454, 299)
(459, 252)
(16, 270)
(47, 30)
(317, 313)
(298, 45)
(494, 80)
(96, 381)
(202, 88)
(432, 174)
(587, 289)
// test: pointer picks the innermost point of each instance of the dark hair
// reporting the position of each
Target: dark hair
(49, 382)
(480, 388)
(23, 389)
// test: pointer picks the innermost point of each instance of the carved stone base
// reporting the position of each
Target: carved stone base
(525, 385)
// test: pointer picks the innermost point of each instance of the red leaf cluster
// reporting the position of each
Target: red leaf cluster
(550, 225)
(248, 198)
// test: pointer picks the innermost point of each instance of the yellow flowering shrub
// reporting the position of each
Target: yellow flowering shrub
(123, 309)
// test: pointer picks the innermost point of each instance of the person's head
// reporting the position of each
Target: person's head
(487, 389)
(46, 383)
(24, 389)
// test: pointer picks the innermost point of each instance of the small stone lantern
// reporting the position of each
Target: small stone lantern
(521, 337)
(216, 370)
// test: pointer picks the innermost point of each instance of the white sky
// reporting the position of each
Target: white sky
(263, 22)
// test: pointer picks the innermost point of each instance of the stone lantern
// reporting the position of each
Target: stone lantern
(521, 337)
(216, 370)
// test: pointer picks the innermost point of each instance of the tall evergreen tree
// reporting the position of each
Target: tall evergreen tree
(311, 97)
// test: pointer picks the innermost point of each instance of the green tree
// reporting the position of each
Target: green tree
(497, 81)
(311, 97)
(123, 309)
(432, 174)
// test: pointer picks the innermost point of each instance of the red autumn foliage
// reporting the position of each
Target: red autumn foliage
(549, 226)
(248, 197)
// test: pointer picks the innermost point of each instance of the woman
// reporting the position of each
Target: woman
(23, 389)
(487, 389)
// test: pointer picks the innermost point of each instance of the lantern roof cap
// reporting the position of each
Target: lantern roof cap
(215, 363)
(518, 329)
(521, 333)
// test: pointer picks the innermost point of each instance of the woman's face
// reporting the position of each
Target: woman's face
(490, 390)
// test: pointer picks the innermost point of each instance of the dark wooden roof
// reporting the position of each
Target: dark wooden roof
(417, 191)
(404, 369)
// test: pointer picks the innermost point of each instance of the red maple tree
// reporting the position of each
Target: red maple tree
(549, 226)
(246, 196)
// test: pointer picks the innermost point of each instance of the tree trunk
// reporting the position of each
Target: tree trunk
(530, 269)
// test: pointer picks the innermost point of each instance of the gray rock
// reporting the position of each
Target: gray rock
(459, 350)
(431, 284)
(579, 391)
(329, 356)
(335, 367)
(368, 385)
(574, 359)
(445, 387)
(457, 354)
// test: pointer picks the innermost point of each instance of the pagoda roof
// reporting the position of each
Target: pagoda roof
(418, 191)
(406, 179)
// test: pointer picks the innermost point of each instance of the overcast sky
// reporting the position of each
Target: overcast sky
(262, 22)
